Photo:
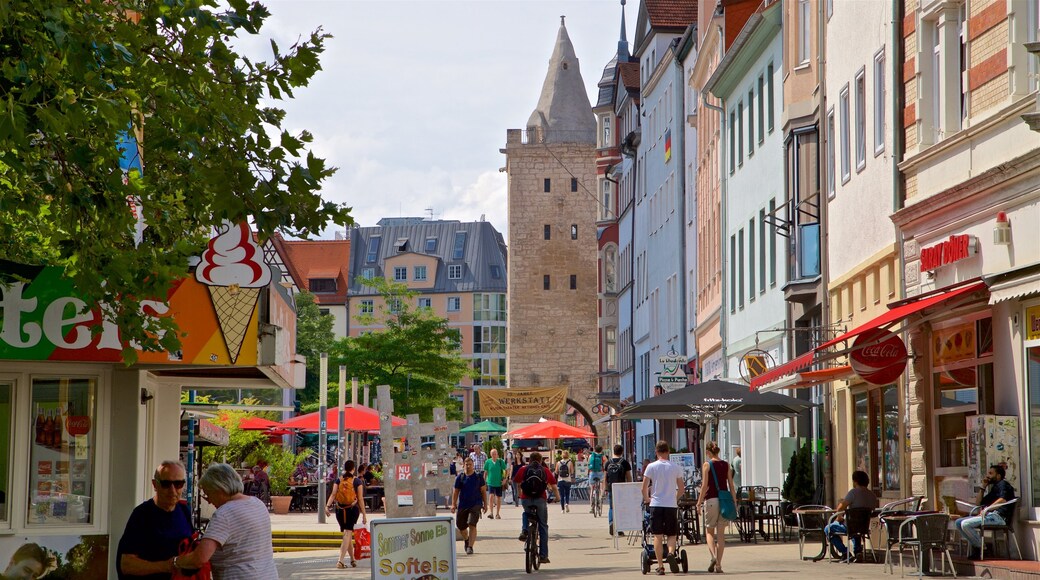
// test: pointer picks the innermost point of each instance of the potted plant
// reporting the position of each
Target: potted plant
(798, 486)
(280, 467)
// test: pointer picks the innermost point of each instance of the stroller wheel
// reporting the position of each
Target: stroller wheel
(645, 562)
(684, 562)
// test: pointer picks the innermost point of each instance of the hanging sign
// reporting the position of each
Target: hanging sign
(878, 356)
(522, 402)
(673, 371)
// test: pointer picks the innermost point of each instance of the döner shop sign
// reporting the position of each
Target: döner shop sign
(955, 249)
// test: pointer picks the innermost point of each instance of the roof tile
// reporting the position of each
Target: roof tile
(671, 13)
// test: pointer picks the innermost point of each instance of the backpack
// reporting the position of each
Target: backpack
(346, 495)
(533, 484)
(596, 462)
(615, 470)
(565, 469)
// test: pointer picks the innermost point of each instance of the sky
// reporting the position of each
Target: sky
(415, 97)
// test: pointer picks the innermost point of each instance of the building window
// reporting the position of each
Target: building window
(846, 170)
(804, 30)
(877, 436)
(610, 348)
(455, 271)
(547, 232)
(772, 244)
(489, 340)
(496, 272)
(861, 120)
(395, 305)
(489, 307)
(740, 133)
(547, 185)
(574, 282)
(431, 245)
(761, 251)
(604, 123)
(373, 249)
(454, 303)
(751, 122)
(732, 142)
(574, 184)
(962, 367)
(545, 282)
(368, 273)
(732, 274)
(574, 231)
(761, 110)
(324, 311)
(458, 250)
(322, 285)
(803, 190)
(751, 260)
(419, 273)
(425, 303)
(367, 307)
(830, 153)
(401, 245)
(400, 274)
(740, 268)
(606, 209)
(6, 420)
(769, 82)
(879, 102)
(63, 454)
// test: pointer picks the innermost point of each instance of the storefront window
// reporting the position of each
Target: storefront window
(1033, 378)
(862, 414)
(62, 454)
(877, 436)
(5, 447)
(889, 437)
(962, 380)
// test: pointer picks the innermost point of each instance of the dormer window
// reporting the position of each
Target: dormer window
(373, 249)
(401, 245)
(322, 285)
(459, 249)
(431, 245)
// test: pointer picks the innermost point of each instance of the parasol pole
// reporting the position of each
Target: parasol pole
(323, 430)
(341, 444)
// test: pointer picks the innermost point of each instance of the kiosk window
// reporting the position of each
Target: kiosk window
(6, 414)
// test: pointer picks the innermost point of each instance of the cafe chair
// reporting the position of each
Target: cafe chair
(810, 524)
(1007, 530)
(910, 504)
(921, 533)
(857, 525)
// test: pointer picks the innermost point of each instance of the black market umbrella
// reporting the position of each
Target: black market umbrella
(716, 400)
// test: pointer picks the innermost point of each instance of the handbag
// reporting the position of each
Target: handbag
(727, 507)
(362, 544)
(205, 572)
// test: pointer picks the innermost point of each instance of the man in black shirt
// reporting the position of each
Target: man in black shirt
(616, 470)
(156, 528)
(1000, 491)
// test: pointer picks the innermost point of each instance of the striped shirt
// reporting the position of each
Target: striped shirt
(242, 527)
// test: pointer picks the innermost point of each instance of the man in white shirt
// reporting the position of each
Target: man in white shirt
(662, 485)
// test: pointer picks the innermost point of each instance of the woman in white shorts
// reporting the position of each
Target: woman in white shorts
(708, 500)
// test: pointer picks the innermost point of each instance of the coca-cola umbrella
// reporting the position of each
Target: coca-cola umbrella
(715, 400)
(355, 418)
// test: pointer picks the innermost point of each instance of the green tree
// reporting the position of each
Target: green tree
(417, 353)
(75, 76)
(313, 337)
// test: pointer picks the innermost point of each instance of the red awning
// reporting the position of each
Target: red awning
(891, 317)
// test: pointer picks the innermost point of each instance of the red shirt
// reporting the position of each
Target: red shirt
(550, 480)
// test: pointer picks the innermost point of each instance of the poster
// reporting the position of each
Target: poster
(57, 557)
(414, 548)
(522, 402)
(688, 463)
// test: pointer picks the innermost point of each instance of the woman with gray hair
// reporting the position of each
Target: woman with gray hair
(237, 541)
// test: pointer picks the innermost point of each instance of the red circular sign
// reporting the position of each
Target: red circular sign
(878, 356)
(77, 424)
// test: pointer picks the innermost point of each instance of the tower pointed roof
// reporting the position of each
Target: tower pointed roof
(564, 114)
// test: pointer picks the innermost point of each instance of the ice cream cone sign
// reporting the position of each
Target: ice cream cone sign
(233, 269)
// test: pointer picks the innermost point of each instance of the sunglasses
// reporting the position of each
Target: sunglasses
(167, 483)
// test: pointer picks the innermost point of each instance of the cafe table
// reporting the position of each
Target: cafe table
(818, 516)
(301, 493)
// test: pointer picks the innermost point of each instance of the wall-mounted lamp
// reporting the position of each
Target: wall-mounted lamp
(1002, 230)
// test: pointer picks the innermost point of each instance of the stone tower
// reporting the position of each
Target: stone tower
(552, 238)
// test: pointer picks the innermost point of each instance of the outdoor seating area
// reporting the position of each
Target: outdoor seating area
(760, 515)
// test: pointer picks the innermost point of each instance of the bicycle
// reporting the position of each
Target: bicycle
(531, 560)
(596, 499)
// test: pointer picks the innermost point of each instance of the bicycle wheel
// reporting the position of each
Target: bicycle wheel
(530, 556)
(534, 547)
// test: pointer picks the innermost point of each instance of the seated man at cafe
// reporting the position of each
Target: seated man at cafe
(997, 491)
(860, 496)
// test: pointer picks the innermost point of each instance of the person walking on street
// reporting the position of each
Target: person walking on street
(479, 458)
(496, 477)
(618, 470)
(738, 462)
(518, 462)
(997, 490)
(565, 479)
(714, 470)
(533, 480)
(859, 496)
(662, 485)
(348, 494)
(469, 500)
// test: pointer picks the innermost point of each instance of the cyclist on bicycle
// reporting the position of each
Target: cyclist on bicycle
(532, 480)
(596, 472)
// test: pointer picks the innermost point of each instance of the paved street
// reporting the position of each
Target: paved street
(579, 548)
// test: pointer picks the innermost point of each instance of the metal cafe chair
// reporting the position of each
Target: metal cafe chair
(925, 532)
(857, 525)
(1007, 528)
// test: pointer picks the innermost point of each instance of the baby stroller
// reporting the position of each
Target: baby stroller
(647, 556)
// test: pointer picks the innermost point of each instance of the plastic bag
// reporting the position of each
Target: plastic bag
(362, 544)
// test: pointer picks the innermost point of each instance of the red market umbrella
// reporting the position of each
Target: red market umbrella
(355, 418)
(258, 424)
(550, 430)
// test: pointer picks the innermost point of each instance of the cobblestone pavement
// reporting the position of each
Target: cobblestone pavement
(579, 547)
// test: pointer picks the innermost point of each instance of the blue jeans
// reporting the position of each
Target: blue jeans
(543, 524)
(834, 532)
(565, 493)
(970, 527)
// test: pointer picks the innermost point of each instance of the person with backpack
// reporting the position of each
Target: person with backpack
(347, 493)
(565, 479)
(618, 470)
(533, 480)
(596, 469)
(469, 499)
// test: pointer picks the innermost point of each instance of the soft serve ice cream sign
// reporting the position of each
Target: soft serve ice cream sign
(234, 272)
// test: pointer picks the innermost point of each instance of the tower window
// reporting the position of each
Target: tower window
(545, 282)
(574, 281)
(574, 231)
(574, 184)
(548, 185)
(548, 231)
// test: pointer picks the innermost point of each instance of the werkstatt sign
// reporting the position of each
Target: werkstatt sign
(1033, 323)
(522, 402)
(955, 249)
(414, 549)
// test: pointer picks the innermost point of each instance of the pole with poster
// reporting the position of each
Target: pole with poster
(323, 430)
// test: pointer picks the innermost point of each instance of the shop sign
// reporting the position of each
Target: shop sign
(955, 249)
(1033, 323)
(878, 356)
(414, 548)
(522, 402)
(673, 371)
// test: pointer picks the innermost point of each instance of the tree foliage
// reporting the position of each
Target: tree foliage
(417, 353)
(76, 76)
(313, 336)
